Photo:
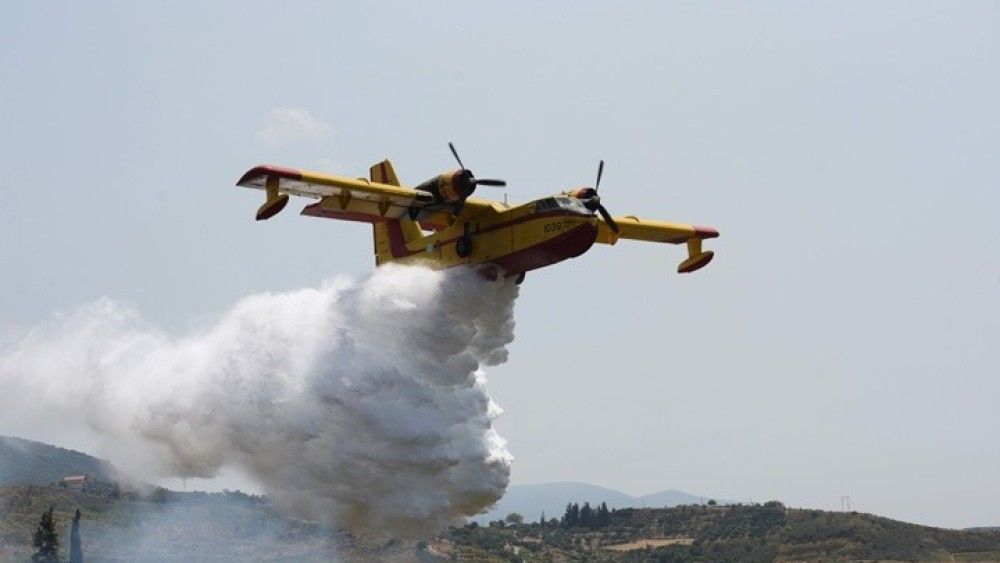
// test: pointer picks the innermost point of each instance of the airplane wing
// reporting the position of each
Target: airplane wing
(279, 182)
(631, 227)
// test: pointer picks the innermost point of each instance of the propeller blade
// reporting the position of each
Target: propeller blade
(455, 152)
(489, 182)
(600, 172)
(607, 218)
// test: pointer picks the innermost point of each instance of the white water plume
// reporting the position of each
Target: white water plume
(359, 404)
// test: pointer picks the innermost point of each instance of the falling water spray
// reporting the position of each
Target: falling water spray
(360, 404)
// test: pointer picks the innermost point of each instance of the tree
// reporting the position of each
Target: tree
(603, 515)
(711, 502)
(159, 495)
(586, 516)
(541, 519)
(514, 519)
(75, 547)
(572, 517)
(46, 540)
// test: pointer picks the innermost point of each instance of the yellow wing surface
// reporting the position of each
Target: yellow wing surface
(382, 195)
(631, 227)
(359, 199)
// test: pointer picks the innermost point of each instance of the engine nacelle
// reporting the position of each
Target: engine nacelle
(450, 187)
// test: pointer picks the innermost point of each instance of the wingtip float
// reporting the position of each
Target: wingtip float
(439, 222)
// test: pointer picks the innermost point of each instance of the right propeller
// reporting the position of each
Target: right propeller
(594, 203)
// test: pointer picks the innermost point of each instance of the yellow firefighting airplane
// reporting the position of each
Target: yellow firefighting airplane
(438, 223)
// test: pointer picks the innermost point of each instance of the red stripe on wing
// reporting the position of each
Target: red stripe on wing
(705, 232)
(265, 170)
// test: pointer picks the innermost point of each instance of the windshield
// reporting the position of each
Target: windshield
(572, 204)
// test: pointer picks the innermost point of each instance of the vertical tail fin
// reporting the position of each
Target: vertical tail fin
(384, 173)
(393, 238)
(393, 235)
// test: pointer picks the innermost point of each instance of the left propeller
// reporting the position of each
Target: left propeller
(470, 178)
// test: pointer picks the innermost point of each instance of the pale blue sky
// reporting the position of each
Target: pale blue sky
(843, 342)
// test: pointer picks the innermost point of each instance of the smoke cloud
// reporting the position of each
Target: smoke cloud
(357, 404)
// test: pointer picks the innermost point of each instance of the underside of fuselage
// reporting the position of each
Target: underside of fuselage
(571, 242)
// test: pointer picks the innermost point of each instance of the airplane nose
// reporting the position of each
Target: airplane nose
(466, 182)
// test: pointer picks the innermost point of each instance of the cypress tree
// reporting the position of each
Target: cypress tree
(603, 516)
(572, 517)
(586, 516)
(46, 540)
(75, 547)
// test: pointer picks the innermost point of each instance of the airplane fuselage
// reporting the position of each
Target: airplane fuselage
(517, 239)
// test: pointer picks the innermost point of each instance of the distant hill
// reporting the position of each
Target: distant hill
(34, 463)
(669, 498)
(530, 500)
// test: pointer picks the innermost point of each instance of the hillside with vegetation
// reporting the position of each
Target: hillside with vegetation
(550, 498)
(35, 463)
(759, 532)
(171, 526)
(123, 523)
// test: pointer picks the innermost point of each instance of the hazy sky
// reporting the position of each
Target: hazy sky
(843, 342)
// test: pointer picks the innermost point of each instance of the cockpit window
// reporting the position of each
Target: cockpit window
(561, 202)
(546, 204)
(572, 204)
